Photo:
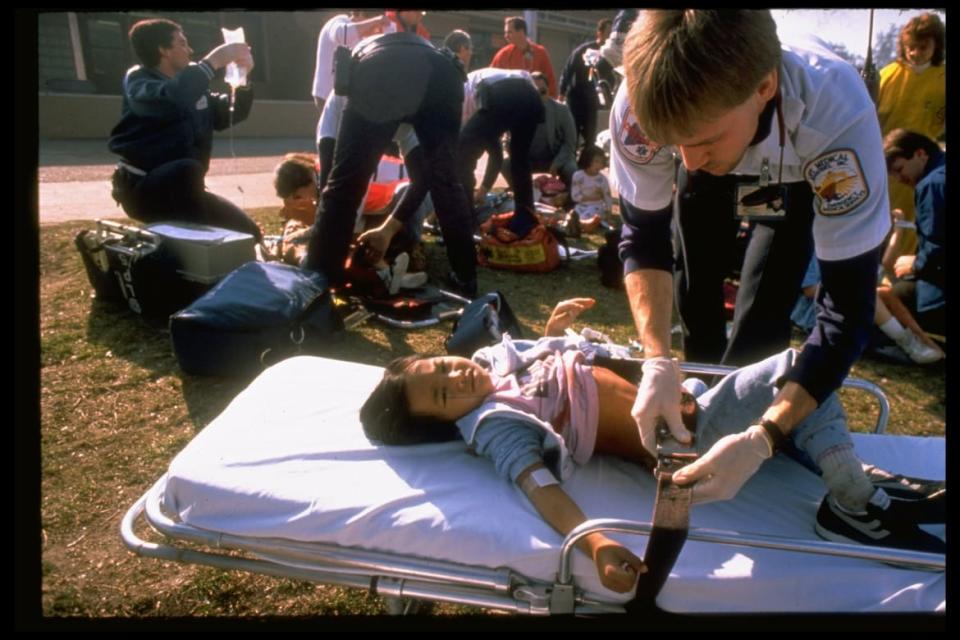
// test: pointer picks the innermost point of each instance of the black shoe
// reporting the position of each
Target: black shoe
(521, 225)
(572, 226)
(881, 524)
(929, 510)
(901, 486)
(467, 289)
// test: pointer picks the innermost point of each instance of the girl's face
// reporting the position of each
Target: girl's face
(595, 165)
(446, 387)
(301, 204)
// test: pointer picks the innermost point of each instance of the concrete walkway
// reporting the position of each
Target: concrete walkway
(74, 175)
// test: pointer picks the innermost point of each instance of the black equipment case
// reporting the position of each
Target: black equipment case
(161, 269)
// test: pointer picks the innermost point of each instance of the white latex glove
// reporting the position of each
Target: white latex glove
(659, 395)
(728, 464)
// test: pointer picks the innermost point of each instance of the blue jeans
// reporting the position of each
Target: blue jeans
(741, 397)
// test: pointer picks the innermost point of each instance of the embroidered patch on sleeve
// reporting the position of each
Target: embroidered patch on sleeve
(635, 145)
(201, 103)
(838, 182)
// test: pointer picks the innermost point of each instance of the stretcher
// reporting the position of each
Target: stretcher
(301, 493)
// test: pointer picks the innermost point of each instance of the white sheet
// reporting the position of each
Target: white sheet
(288, 459)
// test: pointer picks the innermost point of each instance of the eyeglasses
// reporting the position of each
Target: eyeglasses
(773, 195)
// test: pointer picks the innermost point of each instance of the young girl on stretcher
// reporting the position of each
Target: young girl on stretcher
(537, 409)
(533, 422)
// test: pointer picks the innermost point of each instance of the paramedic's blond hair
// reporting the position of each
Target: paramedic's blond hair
(686, 66)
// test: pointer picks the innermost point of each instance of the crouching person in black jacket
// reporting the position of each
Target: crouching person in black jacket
(165, 133)
(395, 78)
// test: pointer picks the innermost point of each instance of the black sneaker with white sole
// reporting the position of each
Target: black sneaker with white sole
(882, 524)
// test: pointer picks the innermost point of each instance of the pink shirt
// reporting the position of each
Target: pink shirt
(558, 389)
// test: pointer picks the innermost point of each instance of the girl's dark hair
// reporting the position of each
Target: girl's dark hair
(386, 417)
(147, 36)
(589, 152)
(297, 170)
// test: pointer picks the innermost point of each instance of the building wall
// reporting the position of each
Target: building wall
(284, 47)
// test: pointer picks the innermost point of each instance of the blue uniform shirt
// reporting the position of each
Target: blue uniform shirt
(165, 119)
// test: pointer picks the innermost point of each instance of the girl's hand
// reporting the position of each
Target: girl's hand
(565, 313)
(617, 567)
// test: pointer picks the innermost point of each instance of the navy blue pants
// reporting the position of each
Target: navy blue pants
(175, 191)
(583, 105)
(772, 269)
(403, 84)
(514, 106)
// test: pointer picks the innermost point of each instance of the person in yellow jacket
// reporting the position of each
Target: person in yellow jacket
(913, 95)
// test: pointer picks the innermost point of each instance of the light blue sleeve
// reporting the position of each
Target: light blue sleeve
(512, 445)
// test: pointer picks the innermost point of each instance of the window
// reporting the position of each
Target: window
(106, 50)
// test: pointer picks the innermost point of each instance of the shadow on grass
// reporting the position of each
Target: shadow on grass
(206, 397)
(137, 339)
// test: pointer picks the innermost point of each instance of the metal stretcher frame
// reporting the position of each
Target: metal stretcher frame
(404, 580)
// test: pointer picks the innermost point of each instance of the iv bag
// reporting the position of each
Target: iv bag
(236, 76)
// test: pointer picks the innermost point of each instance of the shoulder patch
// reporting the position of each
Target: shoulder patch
(838, 182)
(636, 147)
(201, 103)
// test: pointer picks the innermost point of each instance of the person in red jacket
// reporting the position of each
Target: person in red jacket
(408, 20)
(521, 53)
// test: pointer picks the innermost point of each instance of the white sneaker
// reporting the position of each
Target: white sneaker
(397, 271)
(413, 280)
(918, 350)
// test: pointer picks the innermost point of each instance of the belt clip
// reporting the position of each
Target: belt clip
(764, 172)
(672, 455)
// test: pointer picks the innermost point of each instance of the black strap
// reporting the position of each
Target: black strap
(671, 510)
(671, 522)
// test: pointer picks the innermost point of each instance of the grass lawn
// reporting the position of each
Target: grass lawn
(115, 410)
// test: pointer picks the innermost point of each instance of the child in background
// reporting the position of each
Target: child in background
(590, 190)
(295, 181)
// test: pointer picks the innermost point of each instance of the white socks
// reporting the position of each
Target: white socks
(845, 478)
(893, 328)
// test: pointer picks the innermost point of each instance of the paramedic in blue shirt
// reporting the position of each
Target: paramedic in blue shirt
(722, 114)
(165, 134)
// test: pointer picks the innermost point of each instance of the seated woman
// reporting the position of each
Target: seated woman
(535, 410)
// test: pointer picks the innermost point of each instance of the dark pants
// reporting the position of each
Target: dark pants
(773, 266)
(513, 106)
(175, 192)
(325, 154)
(583, 106)
(363, 137)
